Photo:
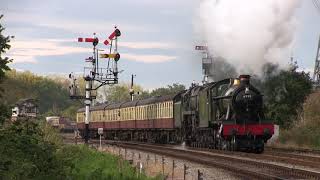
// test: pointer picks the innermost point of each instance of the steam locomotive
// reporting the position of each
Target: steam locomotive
(226, 114)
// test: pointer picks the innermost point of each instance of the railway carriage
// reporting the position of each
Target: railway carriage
(149, 119)
(226, 114)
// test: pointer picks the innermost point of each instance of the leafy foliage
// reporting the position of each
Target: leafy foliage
(4, 113)
(4, 46)
(34, 151)
(120, 92)
(306, 132)
(26, 155)
(53, 96)
(285, 91)
(4, 61)
(169, 90)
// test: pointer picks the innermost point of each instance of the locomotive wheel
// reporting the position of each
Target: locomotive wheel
(260, 149)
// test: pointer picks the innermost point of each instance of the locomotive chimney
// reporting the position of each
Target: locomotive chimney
(244, 79)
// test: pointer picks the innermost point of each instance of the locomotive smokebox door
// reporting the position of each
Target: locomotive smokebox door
(100, 131)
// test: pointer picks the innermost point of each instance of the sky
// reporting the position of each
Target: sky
(156, 44)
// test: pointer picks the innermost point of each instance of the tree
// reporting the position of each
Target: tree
(120, 93)
(4, 46)
(4, 61)
(169, 90)
(284, 93)
(52, 95)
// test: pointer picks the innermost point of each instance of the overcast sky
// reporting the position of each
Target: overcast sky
(157, 41)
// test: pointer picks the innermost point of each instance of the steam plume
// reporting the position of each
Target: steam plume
(249, 33)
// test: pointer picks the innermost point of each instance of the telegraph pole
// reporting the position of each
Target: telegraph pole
(316, 72)
(131, 87)
(102, 76)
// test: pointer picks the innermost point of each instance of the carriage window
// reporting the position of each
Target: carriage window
(171, 109)
(139, 112)
(161, 110)
(158, 107)
(166, 109)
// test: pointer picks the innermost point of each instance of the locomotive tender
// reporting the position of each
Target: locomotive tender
(226, 114)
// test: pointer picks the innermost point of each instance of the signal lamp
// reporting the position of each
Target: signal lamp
(118, 33)
(117, 57)
(95, 41)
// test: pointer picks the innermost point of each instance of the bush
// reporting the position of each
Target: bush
(31, 150)
(306, 132)
(285, 92)
(26, 155)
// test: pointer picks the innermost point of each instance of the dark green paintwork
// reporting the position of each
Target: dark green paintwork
(177, 114)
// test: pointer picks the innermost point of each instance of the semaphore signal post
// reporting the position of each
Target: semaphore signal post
(95, 76)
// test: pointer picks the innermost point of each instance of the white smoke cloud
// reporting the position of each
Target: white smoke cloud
(249, 33)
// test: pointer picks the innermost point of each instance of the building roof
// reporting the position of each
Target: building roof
(26, 100)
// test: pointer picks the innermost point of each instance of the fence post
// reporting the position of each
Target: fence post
(200, 175)
(147, 160)
(173, 166)
(162, 165)
(185, 168)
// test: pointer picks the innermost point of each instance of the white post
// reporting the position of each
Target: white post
(100, 132)
(87, 103)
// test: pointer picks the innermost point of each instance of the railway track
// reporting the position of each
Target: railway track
(245, 168)
(293, 150)
(289, 159)
(246, 165)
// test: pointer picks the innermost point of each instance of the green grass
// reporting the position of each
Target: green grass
(85, 163)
